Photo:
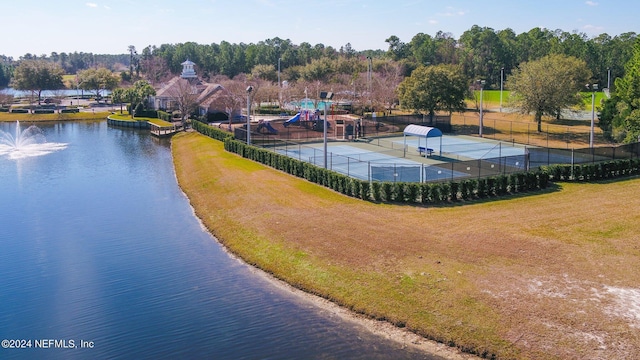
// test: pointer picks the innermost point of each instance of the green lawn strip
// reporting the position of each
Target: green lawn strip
(54, 117)
(438, 304)
(160, 122)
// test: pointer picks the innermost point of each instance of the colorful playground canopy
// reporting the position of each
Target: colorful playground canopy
(422, 132)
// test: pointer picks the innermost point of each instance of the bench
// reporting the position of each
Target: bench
(425, 151)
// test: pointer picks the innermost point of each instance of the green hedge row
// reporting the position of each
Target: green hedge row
(424, 193)
(67, 111)
(597, 171)
(146, 113)
(163, 115)
(44, 111)
(210, 131)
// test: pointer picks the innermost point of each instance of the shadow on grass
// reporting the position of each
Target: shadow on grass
(552, 188)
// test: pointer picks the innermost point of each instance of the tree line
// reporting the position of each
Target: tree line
(495, 57)
(482, 52)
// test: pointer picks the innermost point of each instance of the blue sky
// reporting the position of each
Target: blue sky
(110, 26)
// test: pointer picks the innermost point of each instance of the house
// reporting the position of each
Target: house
(188, 88)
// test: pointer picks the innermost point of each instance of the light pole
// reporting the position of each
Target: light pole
(609, 79)
(481, 82)
(249, 90)
(279, 85)
(594, 88)
(501, 88)
(325, 96)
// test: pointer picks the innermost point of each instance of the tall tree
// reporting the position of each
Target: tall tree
(37, 75)
(545, 86)
(434, 88)
(138, 93)
(621, 112)
(97, 80)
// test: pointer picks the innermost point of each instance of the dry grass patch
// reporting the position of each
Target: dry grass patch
(544, 276)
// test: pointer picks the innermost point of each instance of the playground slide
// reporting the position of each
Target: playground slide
(292, 120)
(267, 125)
(270, 128)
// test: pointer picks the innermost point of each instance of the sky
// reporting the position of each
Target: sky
(41, 27)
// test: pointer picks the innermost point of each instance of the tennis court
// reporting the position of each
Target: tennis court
(388, 159)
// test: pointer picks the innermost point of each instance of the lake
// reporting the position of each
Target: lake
(102, 257)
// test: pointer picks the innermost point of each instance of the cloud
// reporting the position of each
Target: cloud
(92, 5)
(593, 28)
(451, 12)
(433, 22)
(591, 3)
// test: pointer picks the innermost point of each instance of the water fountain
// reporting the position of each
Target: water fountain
(27, 143)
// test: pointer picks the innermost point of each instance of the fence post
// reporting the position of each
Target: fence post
(572, 163)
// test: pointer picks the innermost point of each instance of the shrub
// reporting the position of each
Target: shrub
(453, 190)
(444, 191)
(387, 190)
(399, 192)
(377, 193)
(425, 193)
(365, 190)
(482, 188)
(413, 192)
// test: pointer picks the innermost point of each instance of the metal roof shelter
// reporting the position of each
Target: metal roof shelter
(425, 132)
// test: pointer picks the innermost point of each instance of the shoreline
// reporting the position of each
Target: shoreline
(482, 289)
(384, 329)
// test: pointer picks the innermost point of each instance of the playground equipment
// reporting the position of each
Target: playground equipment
(308, 119)
(266, 125)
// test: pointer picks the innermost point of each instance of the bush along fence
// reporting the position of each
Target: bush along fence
(425, 193)
(592, 172)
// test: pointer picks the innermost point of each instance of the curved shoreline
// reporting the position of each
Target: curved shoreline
(384, 329)
(475, 277)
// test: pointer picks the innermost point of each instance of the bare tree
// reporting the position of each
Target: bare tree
(5, 99)
(387, 79)
(185, 95)
(233, 98)
(155, 69)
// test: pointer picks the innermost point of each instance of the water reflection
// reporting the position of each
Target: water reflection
(99, 244)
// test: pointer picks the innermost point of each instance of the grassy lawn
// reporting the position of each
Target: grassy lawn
(491, 98)
(53, 117)
(547, 276)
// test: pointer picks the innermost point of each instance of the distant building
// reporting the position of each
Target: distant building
(208, 96)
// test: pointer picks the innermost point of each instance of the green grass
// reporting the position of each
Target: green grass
(54, 117)
(492, 98)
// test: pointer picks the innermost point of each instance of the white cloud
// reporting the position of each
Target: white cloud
(107, 7)
(451, 12)
(593, 28)
(433, 22)
(92, 5)
(591, 3)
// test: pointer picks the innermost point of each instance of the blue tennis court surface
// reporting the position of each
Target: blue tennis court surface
(370, 165)
(465, 147)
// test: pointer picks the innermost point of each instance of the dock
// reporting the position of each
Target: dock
(162, 128)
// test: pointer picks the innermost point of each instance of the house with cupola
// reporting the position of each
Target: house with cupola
(208, 97)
